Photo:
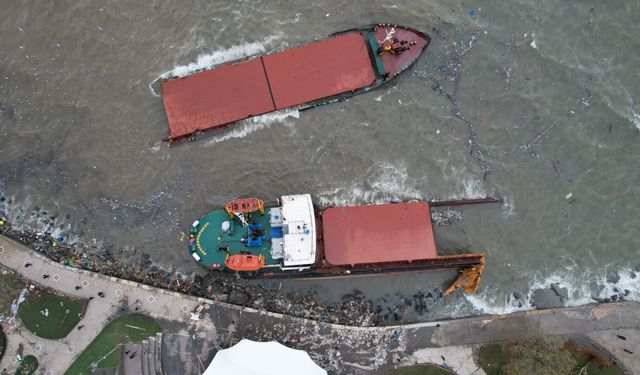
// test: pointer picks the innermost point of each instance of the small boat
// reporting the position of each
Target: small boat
(293, 239)
(347, 63)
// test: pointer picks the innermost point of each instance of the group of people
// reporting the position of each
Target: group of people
(395, 46)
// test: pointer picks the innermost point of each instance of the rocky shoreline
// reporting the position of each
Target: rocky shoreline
(354, 309)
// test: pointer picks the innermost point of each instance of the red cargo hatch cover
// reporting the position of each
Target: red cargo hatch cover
(380, 233)
(319, 70)
(216, 97)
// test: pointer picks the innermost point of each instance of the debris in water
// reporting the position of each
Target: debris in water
(446, 217)
(557, 167)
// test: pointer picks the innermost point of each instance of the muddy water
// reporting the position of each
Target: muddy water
(533, 102)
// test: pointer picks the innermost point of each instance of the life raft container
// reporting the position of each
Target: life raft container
(244, 262)
(241, 206)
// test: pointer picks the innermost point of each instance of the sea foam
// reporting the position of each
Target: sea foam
(248, 126)
(578, 285)
(383, 183)
(209, 60)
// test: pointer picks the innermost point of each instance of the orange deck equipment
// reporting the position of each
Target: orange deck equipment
(378, 233)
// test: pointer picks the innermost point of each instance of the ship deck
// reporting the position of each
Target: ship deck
(378, 234)
(210, 238)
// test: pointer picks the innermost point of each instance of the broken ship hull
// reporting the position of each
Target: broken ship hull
(345, 64)
(340, 242)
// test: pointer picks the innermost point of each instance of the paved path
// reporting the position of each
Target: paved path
(623, 344)
(57, 355)
(339, 349)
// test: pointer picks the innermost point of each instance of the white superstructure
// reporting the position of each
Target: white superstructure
(297, 247)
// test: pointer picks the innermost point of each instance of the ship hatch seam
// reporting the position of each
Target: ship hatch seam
(264, 69)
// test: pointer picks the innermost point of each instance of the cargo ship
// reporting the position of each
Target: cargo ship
(294, 239)
(347, 63)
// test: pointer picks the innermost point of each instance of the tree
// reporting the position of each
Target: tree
(545, 355)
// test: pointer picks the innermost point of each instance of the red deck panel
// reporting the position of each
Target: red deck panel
(381, 233)
(318, 70)
(216, 97)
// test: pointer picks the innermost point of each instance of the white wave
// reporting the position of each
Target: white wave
(577, 289)
(385, 183)
(388, 183)
(624, 108)
(394, 180)
(248, 126)
(508, 207)
(471, 189)
(156, 146)
(23, 219)
(578, 285)
(629, 281)
(209, 60)
(635, 118)
(483, 304)
(26, 220)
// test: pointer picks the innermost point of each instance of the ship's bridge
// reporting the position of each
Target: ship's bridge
(293, 231)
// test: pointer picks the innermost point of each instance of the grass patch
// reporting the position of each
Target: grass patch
(424, 369)
(10, 287)
(50, 316)
(105, 348)
(593, 367)
(493, 359)
(28, 365)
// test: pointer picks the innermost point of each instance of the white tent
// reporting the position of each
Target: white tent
(262, 358)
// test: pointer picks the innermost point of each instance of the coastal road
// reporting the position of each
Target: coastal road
(339, 349)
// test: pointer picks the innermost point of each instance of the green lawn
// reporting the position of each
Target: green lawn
(105, 348)
(28, 365)
(424, 369)
(492, 358)
(50, 316)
